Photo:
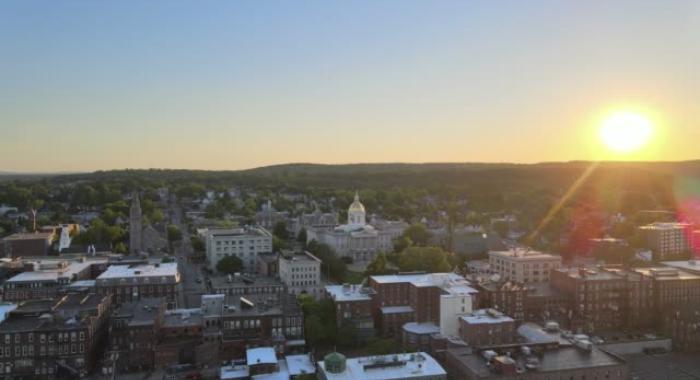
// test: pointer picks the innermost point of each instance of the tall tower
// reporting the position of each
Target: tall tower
(135, 226)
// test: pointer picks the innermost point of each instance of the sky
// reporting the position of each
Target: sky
(89, 85)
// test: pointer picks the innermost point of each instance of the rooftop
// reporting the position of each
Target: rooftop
(484, 316)
(141, 313)
(667, 274)
(241, 231)
(692, 265)
(421, 328)
(398, 366)
(665, 226)
(261, 355)
(299, 364)
(397, 309)
(144, 270)
(524, 254)
(349, 292)
(449, 282)
(183, 317)
(558, 359)
(34, 276)
(30, 236)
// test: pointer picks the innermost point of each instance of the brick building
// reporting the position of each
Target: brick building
(27, 244)
(133, 333)
(353, 305)
(438, 298)
(43, 339)
(487, 327)
(129, 283)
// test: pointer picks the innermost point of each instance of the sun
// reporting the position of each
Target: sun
(626, 132)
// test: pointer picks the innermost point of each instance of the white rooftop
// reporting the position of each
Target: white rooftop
(148, 270)
(261, 355)
(484, 316)
(396, 309)
(421, 328)
(451, 283)
(35, 276)
(692, 265)
(524, 254)
(299, 364)
(347, 293)
(414, 365)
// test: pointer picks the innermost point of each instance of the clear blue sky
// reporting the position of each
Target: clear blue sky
(90, 85)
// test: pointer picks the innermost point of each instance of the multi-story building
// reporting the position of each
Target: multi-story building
(486, 327)
(438, 298)
(667, 239)
(246, 243)
(41, 339)
(262, 320)
(129, 283)
(301, 273)
(670, 288)
(46, 280)
(353, 306)
(682, 325)
(133, 333)
(523, 265)
(356, 239)
(407, 366)
(27, 244)
(180, 339)
(598, 297)
(246, 284)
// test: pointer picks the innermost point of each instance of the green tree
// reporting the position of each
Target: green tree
(331, 265)
(418, 234)
(197, 244)
(280, 230)
(378, 266)
(174, 233)
(229, 265)
(156, 216)
(429, 259)
(301, 237)
(167, 259)
(278, 244)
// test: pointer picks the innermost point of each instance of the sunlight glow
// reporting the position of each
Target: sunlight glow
(626, 132)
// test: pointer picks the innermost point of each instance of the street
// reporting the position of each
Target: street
(190, 289)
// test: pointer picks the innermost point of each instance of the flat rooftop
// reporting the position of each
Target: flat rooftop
(557, 359)
(524, 254)
(667, 274)
(242, 231)
(34, 276)
(345, 293)
(596, 274)
(143, 270)
(665, 226)
(30, 236)
(397, 366)
(486, 316)
(692, 265)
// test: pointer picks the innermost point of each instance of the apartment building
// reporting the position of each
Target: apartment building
(523, 265)
(246, 243)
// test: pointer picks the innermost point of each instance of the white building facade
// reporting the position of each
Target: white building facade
(301, 273)
(245, 243)
(356, 239)
(523, 265)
